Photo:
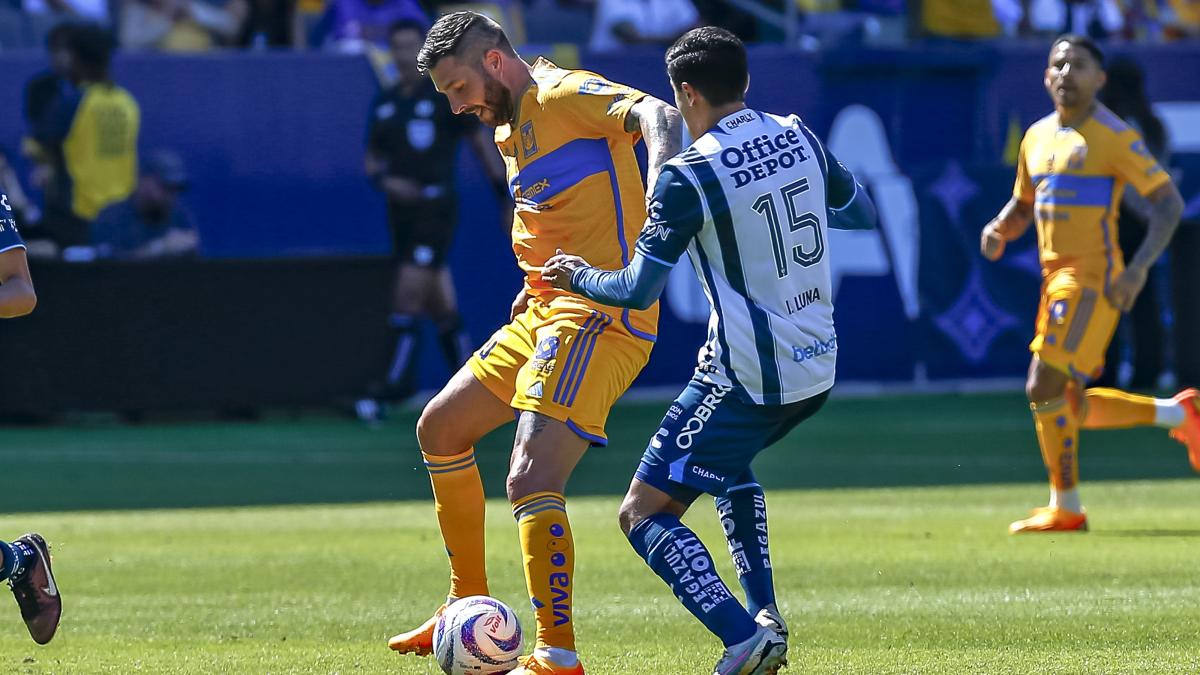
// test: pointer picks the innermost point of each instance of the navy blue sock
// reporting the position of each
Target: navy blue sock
(677, 555)
(455, 342)
(14, 556)
(400, 381)
(743, 512)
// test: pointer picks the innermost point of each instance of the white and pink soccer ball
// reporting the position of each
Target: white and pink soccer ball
(477, 635)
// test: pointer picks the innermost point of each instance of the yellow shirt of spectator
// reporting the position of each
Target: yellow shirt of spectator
(100, 147)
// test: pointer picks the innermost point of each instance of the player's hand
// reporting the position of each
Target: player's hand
(991, 242)
(558, 270)
(519, 305)
(1124, 290)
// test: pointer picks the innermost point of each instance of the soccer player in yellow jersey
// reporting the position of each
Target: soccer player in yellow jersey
(567, 139)
(1074, 167)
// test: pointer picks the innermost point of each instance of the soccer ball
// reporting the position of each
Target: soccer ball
(477, 634)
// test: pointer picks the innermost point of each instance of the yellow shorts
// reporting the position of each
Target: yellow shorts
(1075, 323)
(565, 360)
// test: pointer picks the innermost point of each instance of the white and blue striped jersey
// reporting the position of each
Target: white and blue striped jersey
(10, 238)
(748, 202)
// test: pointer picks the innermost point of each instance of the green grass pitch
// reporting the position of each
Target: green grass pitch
(299, 546)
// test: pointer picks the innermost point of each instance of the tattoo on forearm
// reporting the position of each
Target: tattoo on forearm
(1164, 219)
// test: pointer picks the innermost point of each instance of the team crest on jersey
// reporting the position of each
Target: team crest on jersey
(528, 140)
(1058, 312)
(1078, 156)
(544, 356)
(421, 134)
(547, 348)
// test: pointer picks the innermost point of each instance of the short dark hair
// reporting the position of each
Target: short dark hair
(1083, 42)
(406, 24)
(91, 44)
(712, 60)
(456, 33)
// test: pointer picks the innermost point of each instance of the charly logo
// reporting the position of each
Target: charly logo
(703, 412)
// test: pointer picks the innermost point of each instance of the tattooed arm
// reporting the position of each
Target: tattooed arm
(661, 126)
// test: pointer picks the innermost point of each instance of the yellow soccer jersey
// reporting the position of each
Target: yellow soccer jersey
(575, 179)
(1075, 179)
(100, 149)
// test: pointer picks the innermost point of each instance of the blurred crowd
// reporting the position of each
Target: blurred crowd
(600, 25)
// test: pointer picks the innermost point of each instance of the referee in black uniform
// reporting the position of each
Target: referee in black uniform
(412, 143)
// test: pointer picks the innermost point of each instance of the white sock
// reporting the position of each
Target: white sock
(1066, 499)
(1168, 413)
(563, 657)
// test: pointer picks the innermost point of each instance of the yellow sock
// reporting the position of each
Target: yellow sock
(1058, 435)
(549, 552)
(1115, 409)
(458, 497)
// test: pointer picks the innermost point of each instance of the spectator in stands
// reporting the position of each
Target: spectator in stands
(270, 23)
(619, 23)
(87, 10)
(181, 25)
(356, 25)
(87, 143)
(953, 19)
(1142, 328)
(151, 223)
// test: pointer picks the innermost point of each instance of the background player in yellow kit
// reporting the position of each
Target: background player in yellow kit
(567, 140)
(1073, 168)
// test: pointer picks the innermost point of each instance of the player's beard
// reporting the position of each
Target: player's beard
(497, 107)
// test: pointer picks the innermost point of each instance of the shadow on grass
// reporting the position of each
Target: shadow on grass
(1148, 533)
(895, 441)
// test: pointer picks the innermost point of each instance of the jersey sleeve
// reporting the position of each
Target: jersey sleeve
(675, 216)
(840, 186)
(1023, 186)
(600, 106)
(381, 110)
(1134, 162)
(9, 236)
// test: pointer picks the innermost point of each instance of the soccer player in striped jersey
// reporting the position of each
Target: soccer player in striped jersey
(1073, 169)
(751, 203)
(24, 562)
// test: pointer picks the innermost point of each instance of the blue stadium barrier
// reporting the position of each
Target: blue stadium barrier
(274, 145)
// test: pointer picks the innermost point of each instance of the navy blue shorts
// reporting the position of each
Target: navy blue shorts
(709, 436)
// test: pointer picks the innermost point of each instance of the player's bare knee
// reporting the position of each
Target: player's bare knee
(523, 481)
(1045, 384)
(435, 429)
(628, 516)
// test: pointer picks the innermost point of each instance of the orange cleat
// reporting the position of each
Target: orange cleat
(1188, 433)
(1050, 519)
(536, 665)
(419, 640)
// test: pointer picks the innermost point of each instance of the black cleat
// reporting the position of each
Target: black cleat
(36, 592)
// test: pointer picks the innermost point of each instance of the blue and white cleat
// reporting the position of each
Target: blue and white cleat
(763, 654)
